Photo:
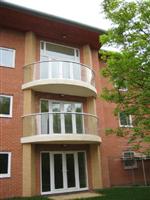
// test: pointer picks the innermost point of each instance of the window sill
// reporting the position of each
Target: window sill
(5, 116)
(126, 126)
(123, 89)
(5, 176)
(4, 66)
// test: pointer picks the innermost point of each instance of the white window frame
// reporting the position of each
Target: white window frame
(130, 120)
(46, 56)
(125, 89)
(8, 174)
(50, 101)
(10, 108)
(13, 58)
(129, 158)
(43, 52)
(65, 190)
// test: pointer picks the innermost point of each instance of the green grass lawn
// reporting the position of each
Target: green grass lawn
(124, 193)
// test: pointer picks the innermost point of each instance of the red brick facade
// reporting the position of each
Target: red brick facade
(11, 129)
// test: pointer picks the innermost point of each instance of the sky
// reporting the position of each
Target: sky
(84, 11)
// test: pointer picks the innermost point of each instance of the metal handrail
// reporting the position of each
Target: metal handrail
(42, 113)
(36, 123)
(57, 60)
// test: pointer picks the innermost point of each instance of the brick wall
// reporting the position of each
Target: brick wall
(11, 80)
(11, 128)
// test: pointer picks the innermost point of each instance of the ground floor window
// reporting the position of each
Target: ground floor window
(63, 172)
(5, 106)
(5, 164)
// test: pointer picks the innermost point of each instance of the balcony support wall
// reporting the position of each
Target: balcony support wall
(28, 107)
(87, 55)
(94, 149)
(96, 166)
(91, 104)
(30, 48)
(29, 102)
(29, 170)
(30, 56)
(87, 59)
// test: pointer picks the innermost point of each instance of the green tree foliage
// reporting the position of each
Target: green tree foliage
(129, 68)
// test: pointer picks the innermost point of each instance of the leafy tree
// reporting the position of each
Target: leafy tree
(130, 67)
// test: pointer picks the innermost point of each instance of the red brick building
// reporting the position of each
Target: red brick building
(52, 122)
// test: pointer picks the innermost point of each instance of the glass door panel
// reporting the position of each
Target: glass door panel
(68, 118)
(45, 165)
(56, 118)
(82, 169)
(58, 171)
(79, 118)
(70, 165)
(44, 117)
(63, 171)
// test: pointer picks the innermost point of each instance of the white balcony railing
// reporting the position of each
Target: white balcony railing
(59, 69)
(60, 123)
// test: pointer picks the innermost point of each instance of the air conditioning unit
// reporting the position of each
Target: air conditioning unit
(129, 160)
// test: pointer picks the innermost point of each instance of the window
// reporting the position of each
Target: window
(57, 51)
(60, 117)
(125, 120)
(66, 67)
(129, 160)
(120, 85)
(7, 57)
(5, 106)
(5, 164)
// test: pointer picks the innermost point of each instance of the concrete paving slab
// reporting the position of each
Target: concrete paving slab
(75, 196)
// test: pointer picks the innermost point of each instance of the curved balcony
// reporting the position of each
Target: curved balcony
(60, 77)
(60, 128)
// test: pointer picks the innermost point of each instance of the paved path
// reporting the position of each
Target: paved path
(75, 196)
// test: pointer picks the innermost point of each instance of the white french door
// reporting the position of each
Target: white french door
(60, 117)
(63, 69)
(63, 172)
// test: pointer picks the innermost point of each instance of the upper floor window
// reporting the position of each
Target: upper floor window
(5, 163)
(7, 57)
(60, 117)
(5, 106)
(125, 120)
(64, 61)
(57, 51)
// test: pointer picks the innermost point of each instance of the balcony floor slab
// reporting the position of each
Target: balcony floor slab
(57, 86)
(62, 139)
